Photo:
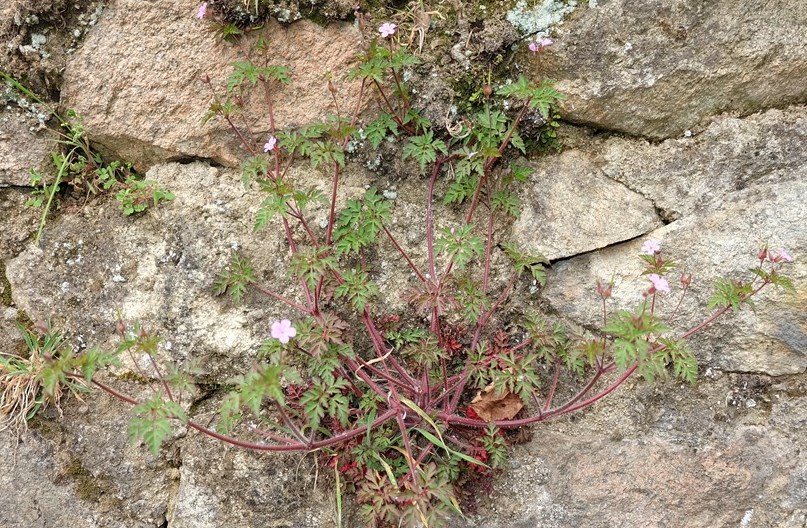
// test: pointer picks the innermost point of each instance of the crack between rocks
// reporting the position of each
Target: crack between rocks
(607, 246)
(702, 121)
(173, 492)
(183, 159)
(665, 215)
(16, 188)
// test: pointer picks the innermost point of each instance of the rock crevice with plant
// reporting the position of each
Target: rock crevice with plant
(405, 402)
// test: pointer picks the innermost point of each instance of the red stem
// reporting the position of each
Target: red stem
(404, 255)
(282, 299)
(294, 446)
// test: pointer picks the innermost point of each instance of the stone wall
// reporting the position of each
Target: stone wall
(685, 123)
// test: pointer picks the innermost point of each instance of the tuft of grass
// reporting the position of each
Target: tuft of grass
(22, 392)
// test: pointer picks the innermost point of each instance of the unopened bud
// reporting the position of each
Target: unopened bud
(120, 327)
(604, 292)
(487, 91)
(763, 253)
(331, 87)
(41, 326)
(686, 279)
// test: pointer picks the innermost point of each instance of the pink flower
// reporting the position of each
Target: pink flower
(650, 247)
(539, 44)
(784, 255)
(270, 145)
(200, 14)
(387, 29)
(283, 331)
(659, 283)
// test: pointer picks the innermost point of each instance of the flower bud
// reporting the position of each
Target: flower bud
(686, 280)
(763, 253)
(487, 91)
(604, 292)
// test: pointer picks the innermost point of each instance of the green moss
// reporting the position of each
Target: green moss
(88, 487)
(5, 285)
(134, 378)
(468, 87)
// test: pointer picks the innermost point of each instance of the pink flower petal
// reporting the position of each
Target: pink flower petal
(659, 283)
(387, 29)
(650, 247)
(270, 144)
(787, 257)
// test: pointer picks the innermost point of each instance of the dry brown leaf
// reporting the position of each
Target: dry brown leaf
(490, 405)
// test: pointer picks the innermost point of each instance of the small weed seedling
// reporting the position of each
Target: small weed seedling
(79, 166)
(404, 405)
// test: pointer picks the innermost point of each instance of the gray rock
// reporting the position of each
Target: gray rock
(158, 268)
(77, 468)
(21, 149)
(721, 241)
(661, 455)
(655, 69)
(571, 207)
(17, 222)
(685, 175)
(228, 486)
(148, 103)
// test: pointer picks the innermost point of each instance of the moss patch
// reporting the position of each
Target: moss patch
(88, 487)
(5, 287)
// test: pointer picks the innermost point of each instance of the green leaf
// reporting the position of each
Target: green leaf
(632, 332)
(271, 206)
(540, 98)
(235, 279)
(360, 222)
(94, 359)
(263, 381)
(426, 352)
(325, 152)
(420, 123)
(254, 168)
(357, 288)
(424, 149)
(730, 293)
(376, 130)
(311, 264)
(775, 278)
(229, 413)
(275, 73)
(517, 142)
(322, 397)
(460, 245)
(520, 173)
(495, 446)
(535, 264)
(517, 375)
(461, 189)
(151, 423)
(472, 299)
(246, 72)
(506, 202)
(678, 352)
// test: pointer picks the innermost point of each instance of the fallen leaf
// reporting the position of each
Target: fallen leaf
(490, 405)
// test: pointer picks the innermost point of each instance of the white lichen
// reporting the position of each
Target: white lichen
(539, 18)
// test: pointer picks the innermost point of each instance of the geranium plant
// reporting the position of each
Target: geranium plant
(402, 404)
